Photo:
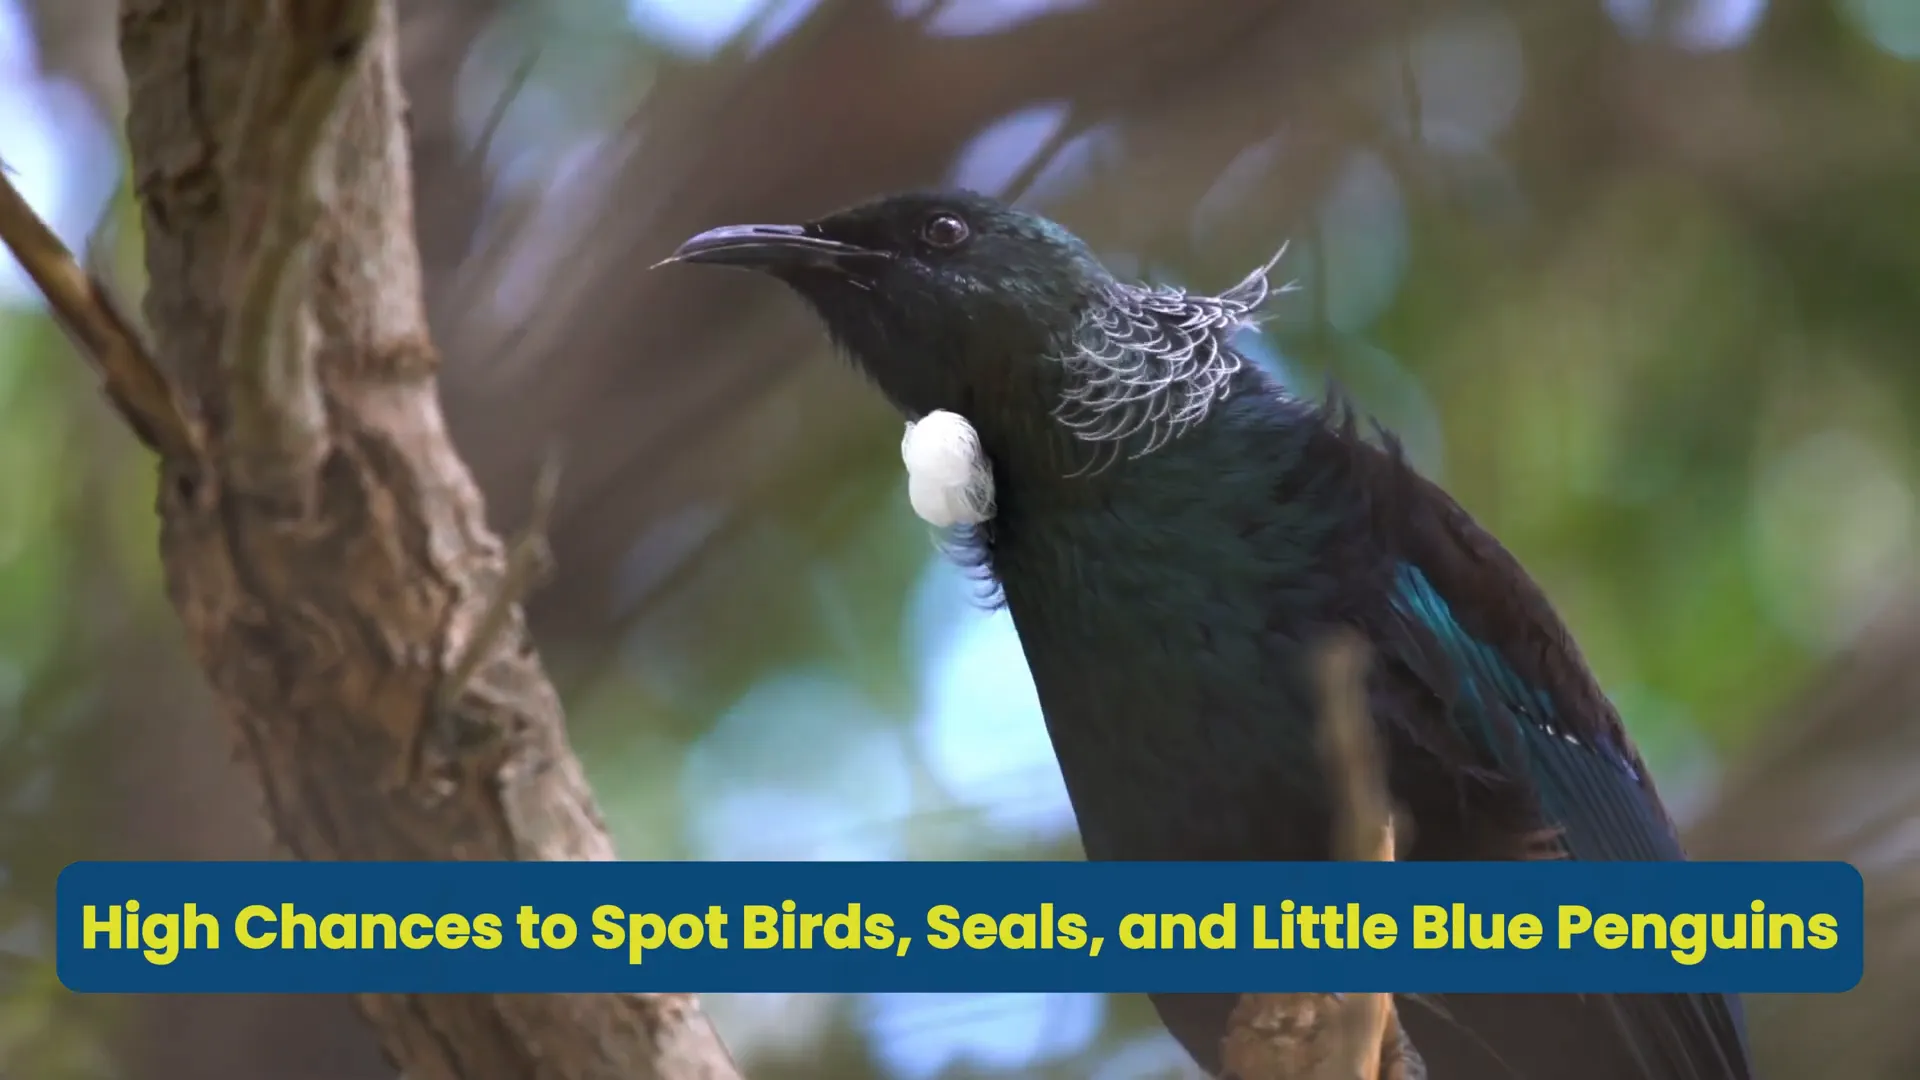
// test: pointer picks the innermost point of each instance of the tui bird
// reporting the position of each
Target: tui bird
(1174, 533)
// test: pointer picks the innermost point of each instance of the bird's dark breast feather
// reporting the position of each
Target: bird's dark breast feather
(1169, 626)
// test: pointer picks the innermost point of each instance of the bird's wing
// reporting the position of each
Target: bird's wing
(1478, 639)
(1587, 782)
(1481, 637)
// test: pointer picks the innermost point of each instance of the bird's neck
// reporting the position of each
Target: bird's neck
(1246, 434)
(1240, 495)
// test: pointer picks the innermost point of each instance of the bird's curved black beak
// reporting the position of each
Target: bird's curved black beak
(770, 248)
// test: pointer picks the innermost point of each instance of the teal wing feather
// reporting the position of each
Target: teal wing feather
(1590, 789)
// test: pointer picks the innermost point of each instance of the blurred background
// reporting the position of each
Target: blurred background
(1638, 280)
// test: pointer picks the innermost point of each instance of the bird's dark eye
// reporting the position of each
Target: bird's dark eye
(944, 231)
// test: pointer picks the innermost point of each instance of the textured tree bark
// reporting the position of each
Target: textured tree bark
(325, 547)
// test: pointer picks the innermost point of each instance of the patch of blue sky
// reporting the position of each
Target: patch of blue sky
(58, 154)
(980, 730)
(922, 1036)
(1009, 148)
(1262, 350)
(970, 18)
(1077, 161)
(701, 28)
(1148, 1057)
(1004, 149)
(803, 766)
(1705, 25)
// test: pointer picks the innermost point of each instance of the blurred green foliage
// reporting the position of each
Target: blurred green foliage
(78, 571)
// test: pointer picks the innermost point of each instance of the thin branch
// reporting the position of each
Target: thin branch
(1333, 1036)
(516, 83)
(86, 310)
(1350, 756)
(277, 417)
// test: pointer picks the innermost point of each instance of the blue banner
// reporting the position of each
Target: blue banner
(502, 927)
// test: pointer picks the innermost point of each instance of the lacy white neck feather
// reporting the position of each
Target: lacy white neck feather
(1150, 362)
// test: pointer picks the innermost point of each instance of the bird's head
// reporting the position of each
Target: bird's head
(947, 300)
(953, 301)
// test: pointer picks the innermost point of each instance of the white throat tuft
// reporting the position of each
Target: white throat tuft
(949, 479)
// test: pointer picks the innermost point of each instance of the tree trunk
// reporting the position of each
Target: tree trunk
(325, 547)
